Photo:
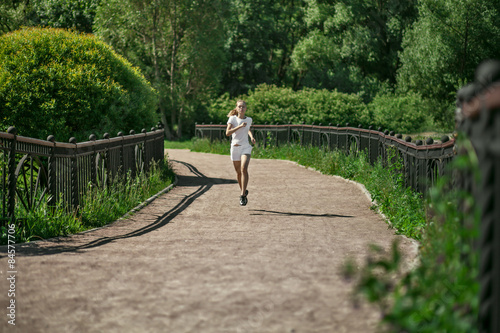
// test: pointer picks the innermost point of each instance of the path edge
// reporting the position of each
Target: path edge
(123, 217)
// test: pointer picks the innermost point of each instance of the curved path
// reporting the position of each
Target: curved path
(195, 261)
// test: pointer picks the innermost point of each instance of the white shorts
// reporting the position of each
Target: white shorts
(237, 151)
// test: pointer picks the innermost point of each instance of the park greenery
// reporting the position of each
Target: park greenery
(75, 67)
(401, 61)
(54, 82)
(441, 292)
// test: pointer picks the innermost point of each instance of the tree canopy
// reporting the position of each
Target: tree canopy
(193, 51)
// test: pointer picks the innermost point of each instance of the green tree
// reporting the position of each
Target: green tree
(261, 37)
(13, 14)
(75, 14)
(352, 45)
(443, 48)
(178, 45)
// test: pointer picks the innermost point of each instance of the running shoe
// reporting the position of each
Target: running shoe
(243, 200)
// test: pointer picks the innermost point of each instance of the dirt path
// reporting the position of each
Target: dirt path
(195, 261)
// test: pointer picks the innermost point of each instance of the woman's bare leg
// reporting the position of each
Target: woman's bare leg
(245, 161)
(237, 168)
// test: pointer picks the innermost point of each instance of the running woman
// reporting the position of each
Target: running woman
(238, 125)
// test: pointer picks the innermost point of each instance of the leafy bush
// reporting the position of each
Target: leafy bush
(271, 104)
(408, 113)
(54, 81)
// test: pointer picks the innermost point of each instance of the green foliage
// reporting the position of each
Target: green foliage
(179, 46)
(261, 36)
(445, 45)
(13, 15)
(68, 84)
(408, 113)
(351, 46)
(98, 207)
(271, 104)
(402, 206)
(192, 51)
(101, 206)
(75, 14)
(442, 293)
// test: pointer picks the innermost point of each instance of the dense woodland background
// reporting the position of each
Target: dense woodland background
(400, 62)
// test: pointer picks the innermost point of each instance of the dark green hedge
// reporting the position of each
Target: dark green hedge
(58, 82)
(271, 104)
(408, 113)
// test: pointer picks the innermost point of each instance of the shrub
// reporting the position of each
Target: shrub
(58, 82)
(408, 113)
(271, 104)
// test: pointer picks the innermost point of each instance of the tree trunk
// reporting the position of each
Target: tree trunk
(179, 123)
(161, 106)
(175, 36)
(163, 116)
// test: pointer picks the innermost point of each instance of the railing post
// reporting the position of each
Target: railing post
(481, 115)
(134, 164)
(74, 175)
(93, 161)
(154, 156)
(105, 162)
(145, 151)
(11, 179)
(52, 173)
(265, 137)
(288, 132)
(121, 162)
(276, 134)
(359, 138)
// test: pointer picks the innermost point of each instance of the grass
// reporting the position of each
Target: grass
(180, 144)
(98, 207)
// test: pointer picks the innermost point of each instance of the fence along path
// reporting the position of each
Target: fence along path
(195, 261)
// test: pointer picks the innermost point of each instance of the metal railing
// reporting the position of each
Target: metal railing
(34, 171)
(422, 163)
(478, 116)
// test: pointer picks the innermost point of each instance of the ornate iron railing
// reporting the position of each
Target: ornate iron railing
(34, 171)
(478, 116)
(422, 164)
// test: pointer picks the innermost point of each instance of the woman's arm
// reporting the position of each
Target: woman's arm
(230, 130)
(251, 136)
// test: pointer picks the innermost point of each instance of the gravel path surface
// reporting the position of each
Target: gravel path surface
(195, 261)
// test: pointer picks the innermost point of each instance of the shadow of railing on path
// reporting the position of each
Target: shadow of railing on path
(203, 182)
